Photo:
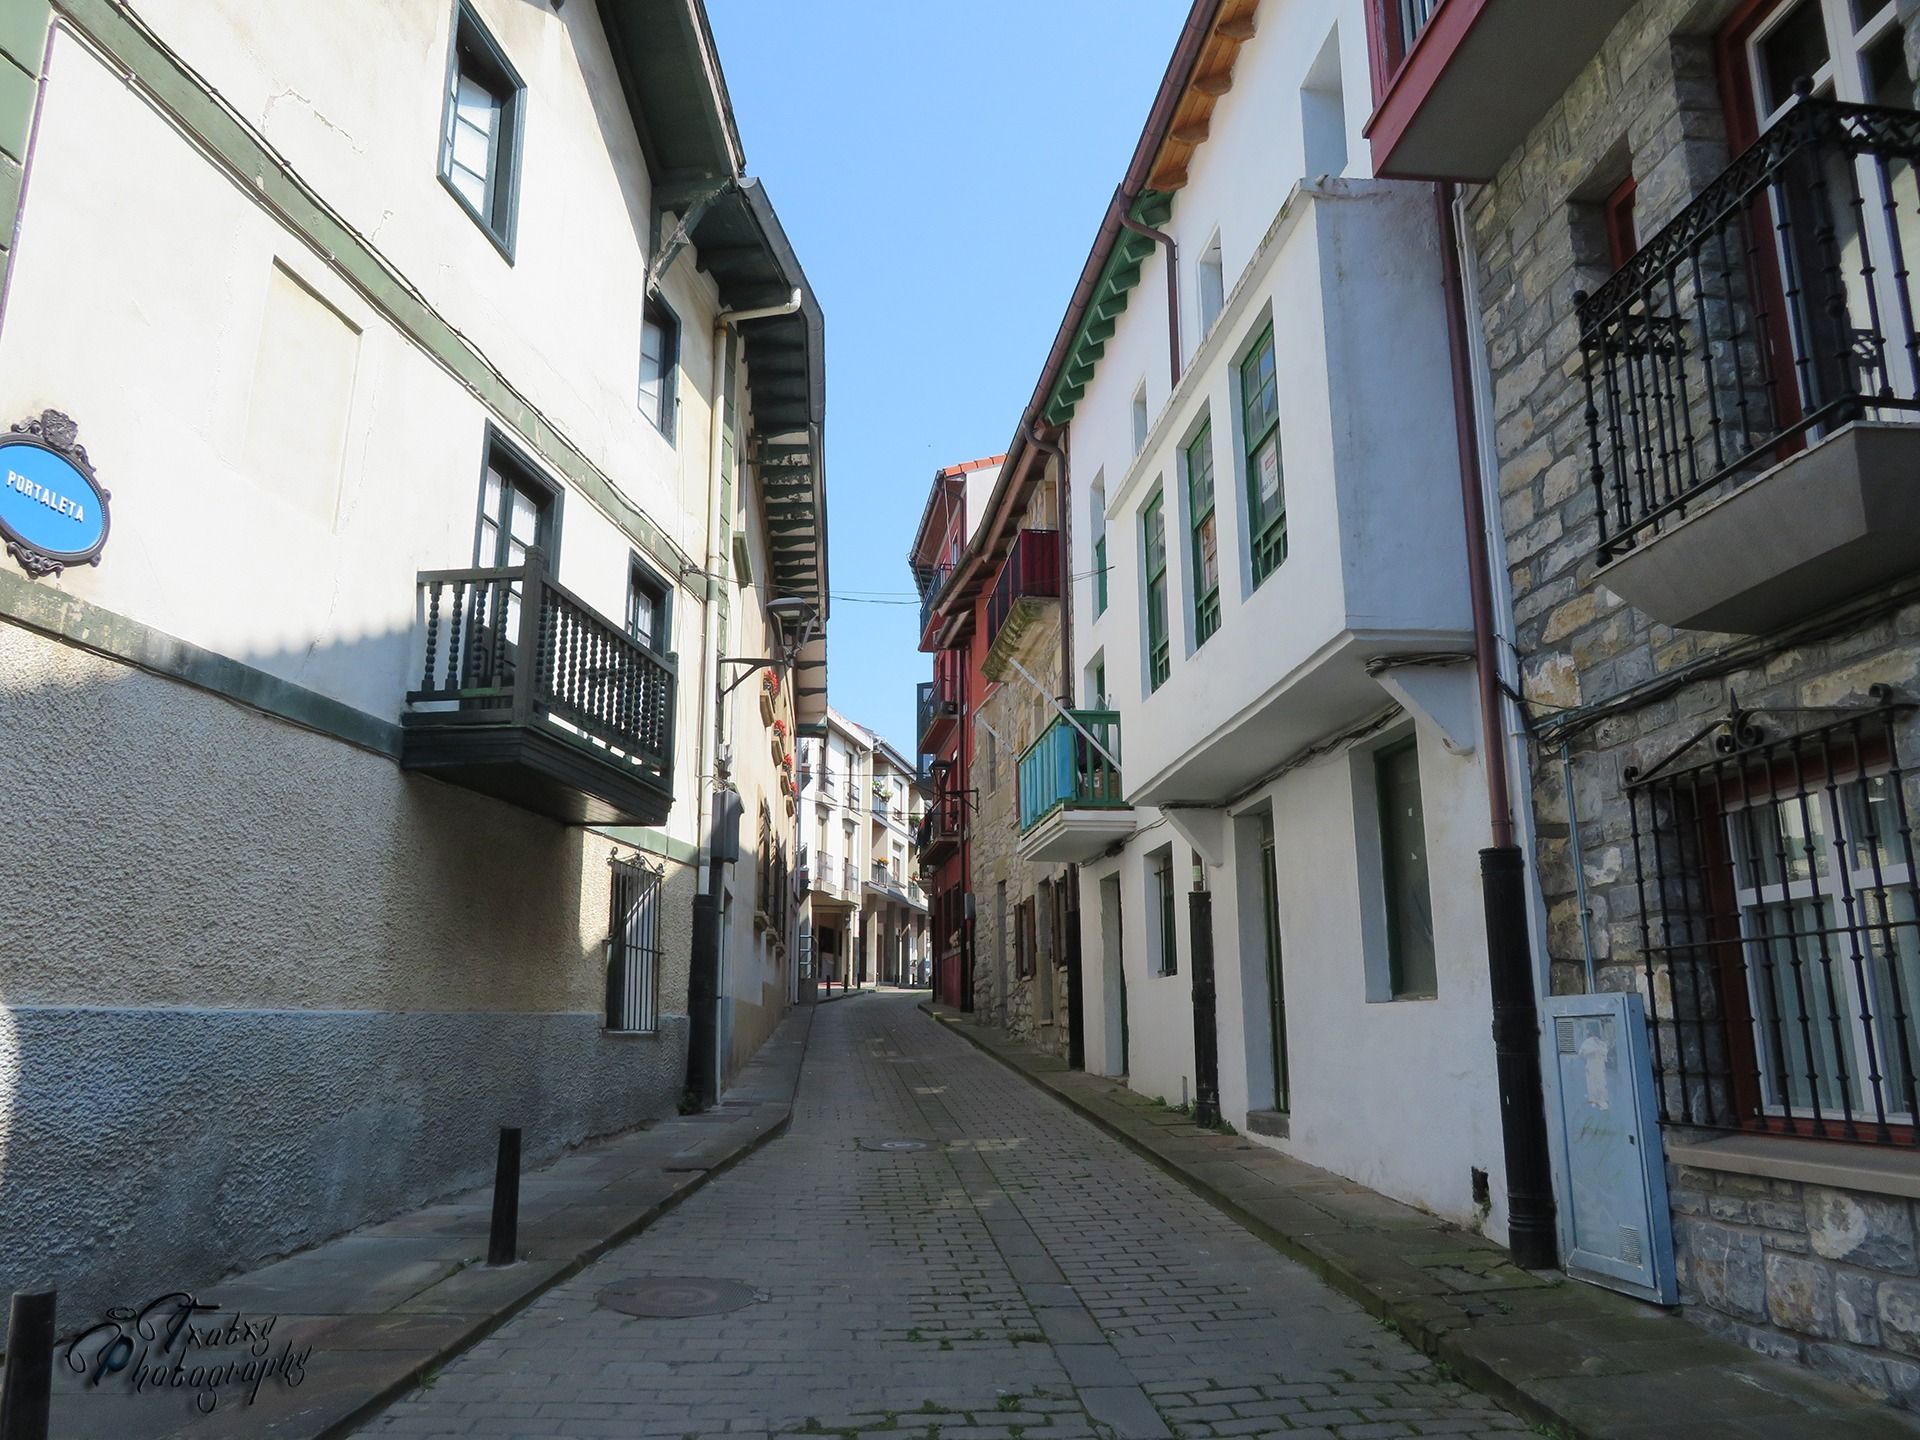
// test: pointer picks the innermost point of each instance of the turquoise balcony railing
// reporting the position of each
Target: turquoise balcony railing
(1061, 770)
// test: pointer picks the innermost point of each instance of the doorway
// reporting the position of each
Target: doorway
(1113, 981)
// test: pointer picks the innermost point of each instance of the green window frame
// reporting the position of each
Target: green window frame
(1205, 536)
(480, 124)
(1153, 543)
(1100, 576)
(1266, 484)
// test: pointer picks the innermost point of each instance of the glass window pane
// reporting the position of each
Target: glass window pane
(474, 104)
(490, 494)
(472, 146)
(1870, 827)
(1403, 844)
(1894, 941)
(1208, 557)
(1266, 474)
(1796, 1022)
(526, 518)
(1771, 843)
(1794, 48)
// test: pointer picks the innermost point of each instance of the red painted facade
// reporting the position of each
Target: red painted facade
(950, 634)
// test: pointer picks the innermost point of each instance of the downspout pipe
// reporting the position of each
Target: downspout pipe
(1173, 287)
(1531, 1230)
(703, 1037)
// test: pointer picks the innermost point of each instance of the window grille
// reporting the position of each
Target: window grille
(633, 949)
(1776, 886)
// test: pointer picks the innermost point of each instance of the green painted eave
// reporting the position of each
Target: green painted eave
(1117, 279)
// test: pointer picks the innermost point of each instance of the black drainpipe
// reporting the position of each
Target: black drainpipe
(1531, 1231)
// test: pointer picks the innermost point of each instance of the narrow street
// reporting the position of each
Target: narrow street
(1022, 1275)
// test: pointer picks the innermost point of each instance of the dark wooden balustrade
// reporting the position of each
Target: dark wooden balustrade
(528, 693)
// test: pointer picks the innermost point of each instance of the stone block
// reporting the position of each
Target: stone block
(1855, 1307)
(1865, 1230)
(1863, 1372)
(1898, 1310)
(1726, 1266)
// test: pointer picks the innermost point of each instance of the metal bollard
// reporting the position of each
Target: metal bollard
(26, 1397)
(503, 1239)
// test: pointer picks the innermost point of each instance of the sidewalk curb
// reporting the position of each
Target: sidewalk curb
(348, 1424)
(1441, 1342)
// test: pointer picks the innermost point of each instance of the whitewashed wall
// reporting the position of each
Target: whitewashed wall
(1346, 269)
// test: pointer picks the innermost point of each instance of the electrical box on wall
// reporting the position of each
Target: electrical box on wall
(1621, 1232)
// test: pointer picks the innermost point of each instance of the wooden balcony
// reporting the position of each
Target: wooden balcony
(1029, 580)
(529, 695)
(942, 827)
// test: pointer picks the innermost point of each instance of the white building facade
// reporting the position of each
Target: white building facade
(1271, 638)
(865, 918)
(384, 742)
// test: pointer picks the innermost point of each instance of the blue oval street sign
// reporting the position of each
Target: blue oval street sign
(53, 513)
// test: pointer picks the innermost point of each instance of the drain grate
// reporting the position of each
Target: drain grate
(668, 1297)
(895, 1145)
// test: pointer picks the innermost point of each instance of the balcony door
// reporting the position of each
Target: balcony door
(516, 514)
(1849, 51)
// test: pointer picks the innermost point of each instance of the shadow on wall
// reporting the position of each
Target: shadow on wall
(258, 986)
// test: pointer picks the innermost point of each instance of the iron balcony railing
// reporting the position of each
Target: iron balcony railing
(1777, 306)
(943, 823)
(850, 877)
(930, 594)
(1031, 571)
(1778, 901)
(511, 646)
(1062, 771)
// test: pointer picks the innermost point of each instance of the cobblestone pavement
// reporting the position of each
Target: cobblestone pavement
(1023, 1277)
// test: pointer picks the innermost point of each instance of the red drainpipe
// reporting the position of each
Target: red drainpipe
(1173, 287)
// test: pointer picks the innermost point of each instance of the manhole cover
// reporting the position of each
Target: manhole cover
(896, 1144)
(665, 1297)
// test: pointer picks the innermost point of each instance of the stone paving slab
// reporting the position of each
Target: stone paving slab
(1022, 1277)
(390, 1303)
(1582, 1361)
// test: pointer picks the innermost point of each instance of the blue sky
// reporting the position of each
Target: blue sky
(941, 166)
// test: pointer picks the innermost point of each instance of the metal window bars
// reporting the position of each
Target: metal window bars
(633, 948)
(1777, 306)
(1779, 917)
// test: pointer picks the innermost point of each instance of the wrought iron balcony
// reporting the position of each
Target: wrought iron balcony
(942, 827)
(1771, 312)
(937, 710)
(1071, 802)
(528, 694)
(1028, 579)
(930, 600)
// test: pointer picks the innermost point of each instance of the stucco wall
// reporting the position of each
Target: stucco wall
(218, 537)
(275, 988)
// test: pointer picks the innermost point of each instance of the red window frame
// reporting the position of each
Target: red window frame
(1729, 964)
(1623, 237)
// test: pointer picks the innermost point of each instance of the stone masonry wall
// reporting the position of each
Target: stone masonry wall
(1017, 714)
(1804, 1272)
(1758, 1258)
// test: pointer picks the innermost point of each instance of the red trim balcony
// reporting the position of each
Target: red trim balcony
(1029, 579)
(1458, 85)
